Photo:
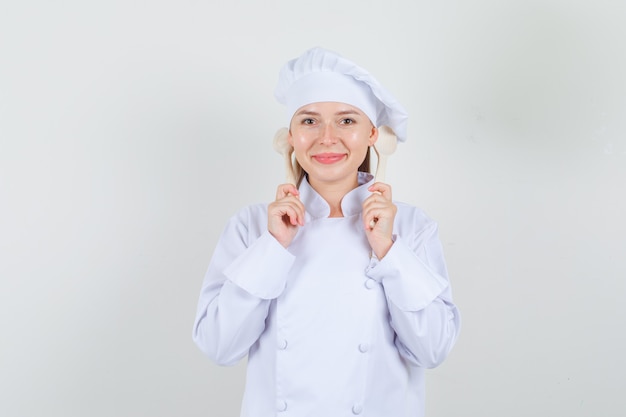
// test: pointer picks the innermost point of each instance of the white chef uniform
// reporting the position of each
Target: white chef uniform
(329, 330)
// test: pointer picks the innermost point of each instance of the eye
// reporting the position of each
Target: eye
(308, 121)
(347, 121)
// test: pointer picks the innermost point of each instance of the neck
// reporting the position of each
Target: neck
(334, 192)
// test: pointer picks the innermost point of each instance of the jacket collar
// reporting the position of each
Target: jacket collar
(351, 204)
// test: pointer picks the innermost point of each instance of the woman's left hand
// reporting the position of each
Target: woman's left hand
(379, 213)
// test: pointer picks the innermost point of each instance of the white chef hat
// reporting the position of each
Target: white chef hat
(320, 75)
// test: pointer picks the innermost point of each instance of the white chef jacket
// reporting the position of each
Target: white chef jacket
(329, 330)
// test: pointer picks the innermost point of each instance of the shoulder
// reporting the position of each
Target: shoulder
(411, 219)
(251, 212)
(409, 211)
(248, 223)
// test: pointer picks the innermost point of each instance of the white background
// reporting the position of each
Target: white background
(131, 130)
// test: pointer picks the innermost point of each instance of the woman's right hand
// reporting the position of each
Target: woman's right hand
(286, 214)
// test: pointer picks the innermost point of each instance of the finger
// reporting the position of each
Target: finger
(371, 223)
(290, 207)
(370, 216)
(285, 214)
(375, 221)
(293, 217)
(298, 210)
(376, 200)
(285, 190)
(382, 188)
(374, 211)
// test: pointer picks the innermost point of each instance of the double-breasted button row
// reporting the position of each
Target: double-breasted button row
(370, 283)
(281, 405)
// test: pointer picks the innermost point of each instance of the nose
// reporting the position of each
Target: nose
(329, 134)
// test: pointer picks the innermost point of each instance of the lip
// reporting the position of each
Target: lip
(329, 157)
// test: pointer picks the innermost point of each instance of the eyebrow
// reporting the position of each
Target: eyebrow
(305, 112)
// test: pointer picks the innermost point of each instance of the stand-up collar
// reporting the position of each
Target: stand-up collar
(351, 204)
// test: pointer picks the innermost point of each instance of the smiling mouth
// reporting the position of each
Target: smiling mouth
(329, 158)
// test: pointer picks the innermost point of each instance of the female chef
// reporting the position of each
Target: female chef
(337, 294)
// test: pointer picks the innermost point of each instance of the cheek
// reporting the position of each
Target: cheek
(302, 140)
(360, 142)
(300, 147)
(298, 144)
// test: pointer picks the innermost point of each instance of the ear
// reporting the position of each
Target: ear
(290, 138)
(373, 136)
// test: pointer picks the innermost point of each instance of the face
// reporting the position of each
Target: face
(330, 141)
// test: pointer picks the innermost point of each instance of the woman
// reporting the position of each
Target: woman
(337, 294)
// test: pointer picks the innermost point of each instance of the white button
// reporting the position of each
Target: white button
(357, 409)
(282, 345)
(281, 405)
(364, 347)
(370, 283)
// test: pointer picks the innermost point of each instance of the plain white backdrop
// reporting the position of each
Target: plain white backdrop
(131, 130)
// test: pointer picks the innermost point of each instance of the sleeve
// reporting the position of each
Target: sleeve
(248, 269)
(419, 298)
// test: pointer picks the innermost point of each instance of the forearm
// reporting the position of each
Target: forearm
(426, 337)
(422, 314)
(231, 322)
(235, 298)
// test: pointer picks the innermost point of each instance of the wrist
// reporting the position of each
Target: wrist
(380, 251)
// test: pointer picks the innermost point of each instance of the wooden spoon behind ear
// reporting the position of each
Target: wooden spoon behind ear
(385, 145)
(282, 146)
